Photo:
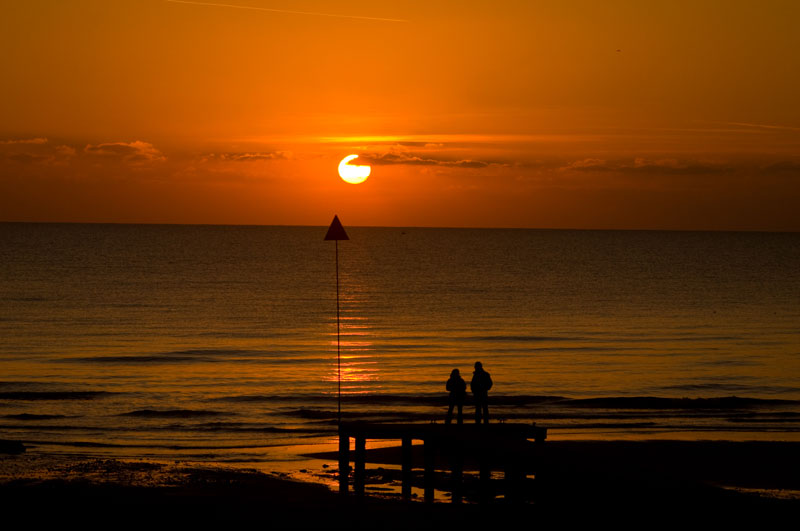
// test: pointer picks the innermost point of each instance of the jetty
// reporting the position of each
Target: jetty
(494, 446)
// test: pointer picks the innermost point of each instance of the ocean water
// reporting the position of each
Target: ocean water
(219, 342)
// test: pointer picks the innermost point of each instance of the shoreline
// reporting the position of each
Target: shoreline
(621, 478)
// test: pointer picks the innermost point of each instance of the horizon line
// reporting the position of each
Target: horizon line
(573, 229)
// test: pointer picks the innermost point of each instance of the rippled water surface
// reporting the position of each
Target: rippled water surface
(220, 342)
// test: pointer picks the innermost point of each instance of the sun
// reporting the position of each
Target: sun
(353, 174)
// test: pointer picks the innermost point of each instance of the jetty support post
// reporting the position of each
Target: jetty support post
(485, 476)
(457, 471)
(406, 468)
(514, 481)
(344, 460)
(359, 472)
(429, 451)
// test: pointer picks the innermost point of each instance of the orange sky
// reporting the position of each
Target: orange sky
(563, 114)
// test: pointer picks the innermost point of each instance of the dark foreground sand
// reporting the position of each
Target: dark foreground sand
(634, 484)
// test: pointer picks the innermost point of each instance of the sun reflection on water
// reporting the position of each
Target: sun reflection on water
(360, 372)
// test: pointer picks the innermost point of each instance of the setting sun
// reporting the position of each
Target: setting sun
(351, 173)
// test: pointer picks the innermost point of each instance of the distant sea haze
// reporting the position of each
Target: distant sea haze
(219, 342)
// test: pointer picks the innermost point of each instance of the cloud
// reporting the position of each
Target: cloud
(413, 159)
(763, 126)
(135, 153)
(28, 158)
(588, 164)
(34, 141)
(409, 143)
(65, 151)
(249, 157)
(642, 165)
(783, 167)
(34, 151)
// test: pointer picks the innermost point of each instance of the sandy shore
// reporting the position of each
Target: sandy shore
(575, 481)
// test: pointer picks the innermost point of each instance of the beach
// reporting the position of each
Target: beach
(611, 481)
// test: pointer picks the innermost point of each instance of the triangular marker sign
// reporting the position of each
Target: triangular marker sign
(336, 231)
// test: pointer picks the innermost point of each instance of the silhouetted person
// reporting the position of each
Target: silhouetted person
(480, 385)
(458, 391)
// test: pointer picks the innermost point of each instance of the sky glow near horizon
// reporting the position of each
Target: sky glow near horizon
(520, 114)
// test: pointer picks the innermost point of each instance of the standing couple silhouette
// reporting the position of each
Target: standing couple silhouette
(480, 385)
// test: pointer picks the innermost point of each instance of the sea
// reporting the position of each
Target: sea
(221, 343)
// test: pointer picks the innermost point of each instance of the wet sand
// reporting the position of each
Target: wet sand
(635, 483)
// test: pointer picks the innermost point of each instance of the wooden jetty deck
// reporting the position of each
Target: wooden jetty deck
(493, 445)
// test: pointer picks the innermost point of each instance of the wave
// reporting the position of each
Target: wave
(237, 427)
(651, 402)
(53, 395)
(616, 339)
(138, 359)
(198, 355)
(606, 425)
(172, 413)
(54, 428)
(92, 444)
(213, 352)
(669, 427)
(31, 416)
(289, 353)
(766, 419)
(731, 387)
(520, 339)
(213, 427)
(18, 384)
(384, 416)
(24, 299)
